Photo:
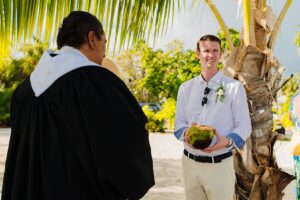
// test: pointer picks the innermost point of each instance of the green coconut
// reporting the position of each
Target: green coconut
(200, 137)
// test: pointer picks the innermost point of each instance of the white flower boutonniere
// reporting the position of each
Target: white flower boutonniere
(220, 91)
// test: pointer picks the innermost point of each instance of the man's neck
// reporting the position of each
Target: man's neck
(207, 75)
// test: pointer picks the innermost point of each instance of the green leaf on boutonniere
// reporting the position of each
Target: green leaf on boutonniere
(220, 91)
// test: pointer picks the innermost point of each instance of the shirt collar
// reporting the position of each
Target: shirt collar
(216, 78)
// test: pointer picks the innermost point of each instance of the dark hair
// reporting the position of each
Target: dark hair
(76, 27)
(208, 38)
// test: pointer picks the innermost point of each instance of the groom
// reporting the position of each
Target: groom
(77, 131)
(220, 102)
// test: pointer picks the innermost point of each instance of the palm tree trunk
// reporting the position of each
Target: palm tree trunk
(258, 175)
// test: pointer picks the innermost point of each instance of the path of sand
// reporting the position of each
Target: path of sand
(167, 152)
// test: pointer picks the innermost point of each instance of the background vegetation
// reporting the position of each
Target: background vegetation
(152, 75)
(12, 72)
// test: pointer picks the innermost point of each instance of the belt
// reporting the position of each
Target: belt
(207, 159)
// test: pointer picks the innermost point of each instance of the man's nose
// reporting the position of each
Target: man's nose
(210, 54)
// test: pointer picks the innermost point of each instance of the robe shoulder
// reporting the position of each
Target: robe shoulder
(85, 133)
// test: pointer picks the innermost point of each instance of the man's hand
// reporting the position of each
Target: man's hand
(186, 137)
(222, 142)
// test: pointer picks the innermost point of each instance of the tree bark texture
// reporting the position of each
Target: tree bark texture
(258, 175)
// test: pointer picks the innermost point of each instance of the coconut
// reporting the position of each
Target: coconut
(200, 136)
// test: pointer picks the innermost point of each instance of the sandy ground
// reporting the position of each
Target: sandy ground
(167, 152)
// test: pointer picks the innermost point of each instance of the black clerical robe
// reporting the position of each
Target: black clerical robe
(84, 138)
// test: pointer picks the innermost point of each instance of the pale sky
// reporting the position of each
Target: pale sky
(190, 25)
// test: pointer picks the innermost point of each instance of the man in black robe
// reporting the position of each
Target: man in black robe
(77, 132)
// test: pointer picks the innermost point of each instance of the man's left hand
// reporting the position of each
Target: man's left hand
(222, 142)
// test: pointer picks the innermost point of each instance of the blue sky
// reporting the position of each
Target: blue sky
(190, 25)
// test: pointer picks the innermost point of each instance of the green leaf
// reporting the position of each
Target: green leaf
(130, 20)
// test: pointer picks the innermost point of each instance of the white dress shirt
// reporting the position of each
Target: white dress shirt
(229, 117)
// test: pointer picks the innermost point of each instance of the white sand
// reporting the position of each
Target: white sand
(167, 152)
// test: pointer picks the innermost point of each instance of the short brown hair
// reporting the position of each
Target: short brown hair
(208, 38)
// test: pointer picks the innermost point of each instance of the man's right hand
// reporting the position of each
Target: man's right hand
(186, 137)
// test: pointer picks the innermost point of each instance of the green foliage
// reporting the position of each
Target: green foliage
(156, 120)
(125, 22)
(281, 110)
(165, 71)
(292, 86)
(154, 75)
(5, 97)
(235, 37)
(154, 123)
(286, 121)
(130, 64)
(167, 113)
(13, 72)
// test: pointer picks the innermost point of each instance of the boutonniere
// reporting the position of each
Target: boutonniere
(220, 91)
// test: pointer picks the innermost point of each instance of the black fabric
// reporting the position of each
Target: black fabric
(83, 139)
(207, 159)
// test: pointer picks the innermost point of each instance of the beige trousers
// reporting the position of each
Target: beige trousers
(208, 181)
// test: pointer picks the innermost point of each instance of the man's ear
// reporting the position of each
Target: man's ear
(91, 39)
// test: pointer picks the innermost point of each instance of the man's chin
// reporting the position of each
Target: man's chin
(209, 67)
(212, 64)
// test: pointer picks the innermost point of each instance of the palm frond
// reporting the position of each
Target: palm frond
(276, 28)
(249, 35)
(128, 20)
(221, 22)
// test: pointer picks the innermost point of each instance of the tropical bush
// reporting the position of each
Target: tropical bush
(12, 72)
(5, 97)
(281, 106)
(235, 37)
(16, 69)
(155, 75)
(167, 113)
(154, 123)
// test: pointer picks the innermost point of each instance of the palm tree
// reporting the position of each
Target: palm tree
(258, 176)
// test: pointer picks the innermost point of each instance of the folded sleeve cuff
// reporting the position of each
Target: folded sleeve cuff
(237, 140)
(179, 133)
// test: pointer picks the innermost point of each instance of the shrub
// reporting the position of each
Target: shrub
(12, 72)
(5, 97)
(154, 124)
(167, 113)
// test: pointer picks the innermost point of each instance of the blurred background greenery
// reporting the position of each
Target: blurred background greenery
(152, 75)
